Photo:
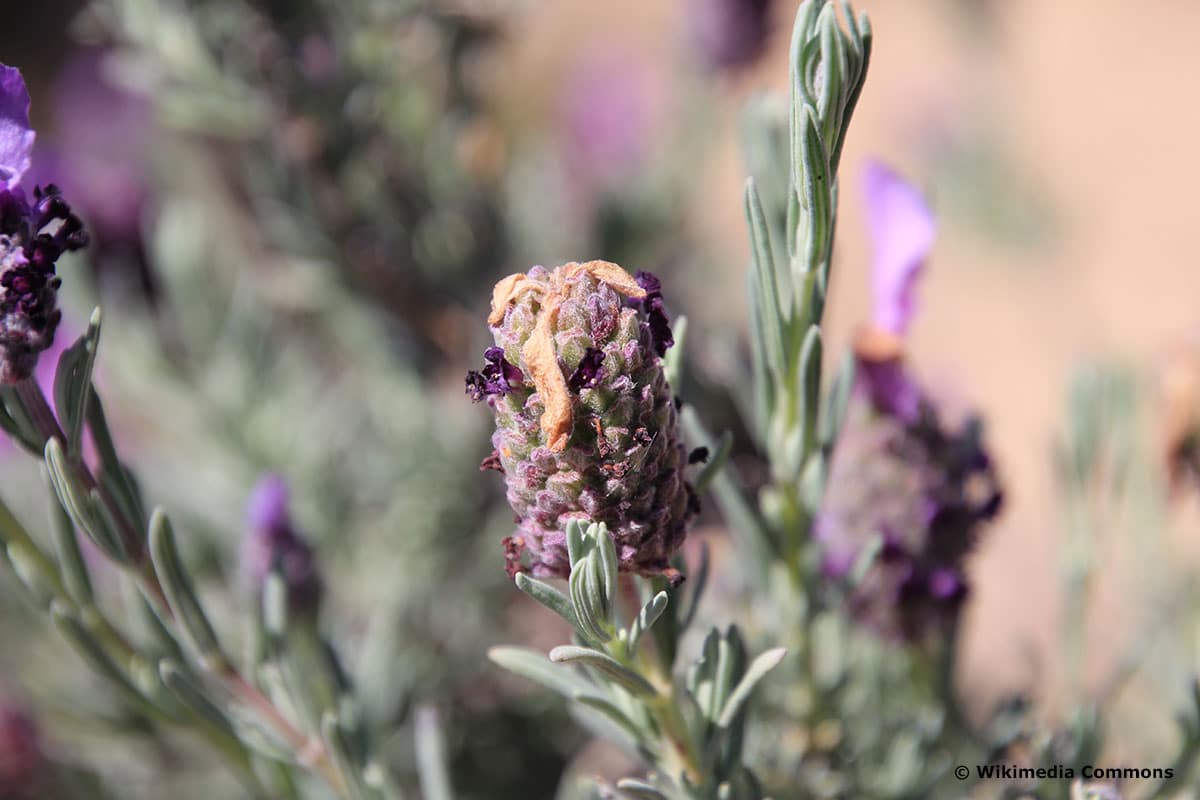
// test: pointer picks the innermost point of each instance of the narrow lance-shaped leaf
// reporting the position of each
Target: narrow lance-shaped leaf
(639, 790)
(177, 585)
(757, 671)
(76, 579)
(81, 504)
(355, 786)
(646, 618)
(192, 696)
(548, 596)
(431, 756)
(614, 714)
(73, 381)
(98, 659)
(534, 666)
(609, 666)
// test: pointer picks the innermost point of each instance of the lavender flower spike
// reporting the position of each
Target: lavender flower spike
(32, 237)
(589, 430)
(898, 475)
(271, 542)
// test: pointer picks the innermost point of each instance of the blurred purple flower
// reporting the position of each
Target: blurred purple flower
(902, 234)
(16, 135)
(898, 474)
(729, 33)
(608, 110)
(98, 149)
(21, 757)
(271, 542)
(32, 237)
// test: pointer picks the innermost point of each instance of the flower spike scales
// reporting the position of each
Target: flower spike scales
(586, 425)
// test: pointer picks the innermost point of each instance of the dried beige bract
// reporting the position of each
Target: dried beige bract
(538, 352)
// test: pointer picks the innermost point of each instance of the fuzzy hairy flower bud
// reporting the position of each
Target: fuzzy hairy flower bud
(925, 491)
(589, 431)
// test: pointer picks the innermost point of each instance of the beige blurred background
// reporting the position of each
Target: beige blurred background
(1058, 140)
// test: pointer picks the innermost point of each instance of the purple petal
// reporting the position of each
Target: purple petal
(16, 137)
(267, 509)
(902, 233)
(590, 371)
(891, 390)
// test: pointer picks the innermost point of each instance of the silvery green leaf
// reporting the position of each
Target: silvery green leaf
(80, 638)
(548, 596)
(356, 786)
(275, 604)
(646, 618)
(836, 402)
(701, 674)
(26, 568)
(113, 475)
(535, 667)
(757, 670)
(76, 579)
(828, 650)
(613, 669)
(808, 390)
(731, 662)
(16, 422)
(431, 756)
(575, 543)
(83, 505)
(812, 482)
(673, 360)
(716, 462)
(698, 582)
(640, 790)
(614, 714)
(773, 313)
(192, 695)
(380, 782)
(73, 382)
(607, 551)
(177, 586)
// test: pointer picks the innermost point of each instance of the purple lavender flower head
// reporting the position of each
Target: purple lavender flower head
(907, 495)
(586, 428)
(32, 237)
(729, 33)
(271, 542)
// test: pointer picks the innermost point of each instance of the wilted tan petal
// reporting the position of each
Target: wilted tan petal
(505, 291)
(613, 275)
(542, 363)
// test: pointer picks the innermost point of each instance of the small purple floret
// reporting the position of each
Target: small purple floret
(271, 543)
(660, 326)
(590, 371)
(497, 377)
